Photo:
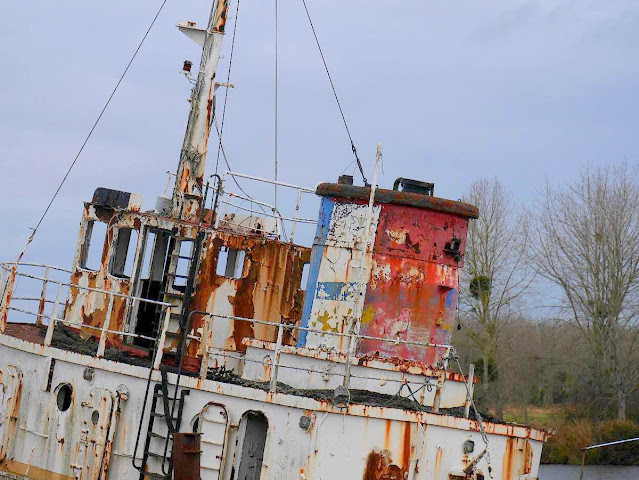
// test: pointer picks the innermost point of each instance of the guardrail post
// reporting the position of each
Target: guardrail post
(159, 352)
(296, 217)
(471, 388)
(441, 380)
(53, 318)
(6, 298)
(207, 339)
(43, 297)
(105, 327)
(276, 363)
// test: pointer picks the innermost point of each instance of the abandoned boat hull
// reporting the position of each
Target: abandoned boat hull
(305, 438)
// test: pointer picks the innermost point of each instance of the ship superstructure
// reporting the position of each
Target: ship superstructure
(183, 342)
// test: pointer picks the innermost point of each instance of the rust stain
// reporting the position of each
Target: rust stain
(379, 466)
(412, 294)
(269, 289)
(439, 453)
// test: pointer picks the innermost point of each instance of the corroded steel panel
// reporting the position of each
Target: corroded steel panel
(10, 395)
(412, 294)
(338, 266)
(269, 289)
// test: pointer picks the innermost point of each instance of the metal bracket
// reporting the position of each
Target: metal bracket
(198, 35)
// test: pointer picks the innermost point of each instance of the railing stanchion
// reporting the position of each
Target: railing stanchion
(43, 297)
(297, 212)
(159, 352)
(105, 327)
(207, 339)
(276, 362)
(471, 387)
(53, 318)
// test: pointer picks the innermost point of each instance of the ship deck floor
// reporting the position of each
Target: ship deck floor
(66, 338)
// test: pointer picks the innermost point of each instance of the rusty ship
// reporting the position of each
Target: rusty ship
(197, 340)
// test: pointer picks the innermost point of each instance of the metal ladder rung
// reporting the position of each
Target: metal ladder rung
(156, 455)
(208, 442)
(155, 475)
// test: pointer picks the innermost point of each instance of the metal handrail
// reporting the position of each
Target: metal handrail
(207, 339)
(104, 330)
(295, 220)
(584, 450)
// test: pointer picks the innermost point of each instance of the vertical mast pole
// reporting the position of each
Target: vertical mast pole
(188, 190)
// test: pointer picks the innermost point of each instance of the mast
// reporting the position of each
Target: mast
(188, 190)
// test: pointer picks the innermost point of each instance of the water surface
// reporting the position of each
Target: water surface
(594, 472)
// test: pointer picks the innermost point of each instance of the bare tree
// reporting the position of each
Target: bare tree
(495, 276)
(588, 246)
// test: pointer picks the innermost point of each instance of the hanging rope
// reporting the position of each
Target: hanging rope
(86, 140)
(226, 94)
(341, 111)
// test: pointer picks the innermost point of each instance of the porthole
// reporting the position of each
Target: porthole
(64, 397)
(95, 417)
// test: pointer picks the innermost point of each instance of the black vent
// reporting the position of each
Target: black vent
(414, 186)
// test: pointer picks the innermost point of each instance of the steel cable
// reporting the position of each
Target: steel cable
(339, 105)
(86, 140)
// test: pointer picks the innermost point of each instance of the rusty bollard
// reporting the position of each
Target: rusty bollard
(186, 456)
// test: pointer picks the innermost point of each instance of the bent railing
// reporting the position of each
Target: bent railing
(46, 309)
(209, 350)
(34, 304)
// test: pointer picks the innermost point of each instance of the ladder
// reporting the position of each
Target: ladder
(157, 459)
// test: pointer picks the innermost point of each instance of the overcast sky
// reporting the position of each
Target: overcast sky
(455, 91)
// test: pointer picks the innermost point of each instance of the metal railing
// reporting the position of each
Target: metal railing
(34, 307)
(231, 203)
(585, 450)
(256, 209)
(52, 317)
(208, 350)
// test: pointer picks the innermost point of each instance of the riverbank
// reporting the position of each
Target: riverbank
(570, 434)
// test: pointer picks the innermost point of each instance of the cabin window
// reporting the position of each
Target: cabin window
(124, 252)
(230, 262)
(305, 272)
(93, 246)
(155, 254)
(253, 433)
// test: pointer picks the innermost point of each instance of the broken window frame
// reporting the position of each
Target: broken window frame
(235, 266)
(85, 247)
(122, 262)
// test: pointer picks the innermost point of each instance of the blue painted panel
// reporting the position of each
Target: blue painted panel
(323, 225)
(339, 291)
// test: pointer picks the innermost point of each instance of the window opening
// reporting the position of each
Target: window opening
(124, 252)
(93, 246)
(253, 430)
(305, 272)
(183, 263)
(152, 283)
(230, 262)
(64, 397)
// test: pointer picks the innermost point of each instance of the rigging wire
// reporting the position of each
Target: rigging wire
(86, 140)
(228, 165)
(276, 92)
(226, 94)
(339, 105)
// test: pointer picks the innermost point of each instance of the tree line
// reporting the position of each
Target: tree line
(549, 303)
